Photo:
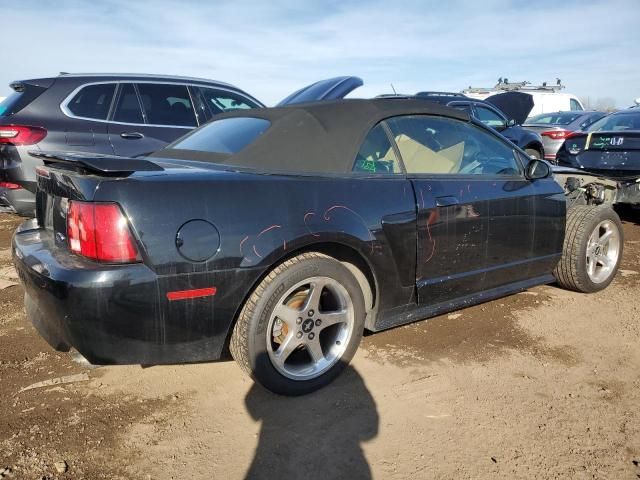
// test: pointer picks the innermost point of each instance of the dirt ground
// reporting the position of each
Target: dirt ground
(543, 384)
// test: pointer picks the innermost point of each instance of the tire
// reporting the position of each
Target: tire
(532, 152)
(281, 326)
(584, 224)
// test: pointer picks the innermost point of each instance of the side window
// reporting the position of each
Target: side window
(376, 154)
(167, 104)
(574, 105)
(93, 101)
(490, 118)
(213, 101)
(128, 107)
(437, 145)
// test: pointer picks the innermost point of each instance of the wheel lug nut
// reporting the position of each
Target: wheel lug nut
(299, 334)
(318, 322)
(312, 336)
(298, 320)
(311, 312)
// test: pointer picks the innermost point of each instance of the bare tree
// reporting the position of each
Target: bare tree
(605, 104)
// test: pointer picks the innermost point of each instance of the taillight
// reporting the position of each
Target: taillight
(21, 134)
(574, 134)
(100, 231)
(10, 186)
(557, 134)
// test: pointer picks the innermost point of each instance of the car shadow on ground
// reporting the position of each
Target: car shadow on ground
(319, 435)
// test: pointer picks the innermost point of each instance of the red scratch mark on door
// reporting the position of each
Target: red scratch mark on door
(327, 217)
(242, 243)
(306, 217)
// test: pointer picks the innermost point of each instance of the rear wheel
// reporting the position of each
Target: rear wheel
(301, 325)
(592, 248)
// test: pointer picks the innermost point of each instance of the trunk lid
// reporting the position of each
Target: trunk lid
(72, 176)
(613, 141)
(612, 154)
(515, 105)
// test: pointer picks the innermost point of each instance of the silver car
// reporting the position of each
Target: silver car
(556, 127)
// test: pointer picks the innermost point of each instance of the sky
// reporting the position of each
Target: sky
(271, 48)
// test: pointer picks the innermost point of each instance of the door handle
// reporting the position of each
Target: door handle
(447, 201)
(132, 135)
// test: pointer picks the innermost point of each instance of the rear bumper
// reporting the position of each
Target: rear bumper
(117, 314)
(551, 148)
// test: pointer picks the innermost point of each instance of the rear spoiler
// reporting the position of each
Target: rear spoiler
(107, 165)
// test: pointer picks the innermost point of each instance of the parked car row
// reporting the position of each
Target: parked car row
(132, 115)
(554, 128)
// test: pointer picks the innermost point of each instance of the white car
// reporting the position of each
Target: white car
(546, 99)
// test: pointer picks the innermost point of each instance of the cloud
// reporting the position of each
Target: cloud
(272, 48)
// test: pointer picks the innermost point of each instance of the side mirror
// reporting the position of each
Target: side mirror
(511, 123)
(537, 169)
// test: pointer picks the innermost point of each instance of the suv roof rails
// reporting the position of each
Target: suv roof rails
(506, 86)
(439, 94)
(144, 75)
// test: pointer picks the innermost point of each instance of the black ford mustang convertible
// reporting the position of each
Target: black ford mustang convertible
(279, 235)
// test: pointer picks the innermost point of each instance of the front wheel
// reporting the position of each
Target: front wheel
(301, 325)
(592, 249)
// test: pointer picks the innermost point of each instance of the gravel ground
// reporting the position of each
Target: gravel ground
(543, 384)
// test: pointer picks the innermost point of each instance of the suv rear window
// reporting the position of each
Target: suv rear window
(20, 98)
(227, 136)
(93, 101)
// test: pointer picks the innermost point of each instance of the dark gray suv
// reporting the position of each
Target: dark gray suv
(117, 114)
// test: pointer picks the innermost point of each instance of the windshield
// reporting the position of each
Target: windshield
(558, 118)
(617, 122)
(226, 136)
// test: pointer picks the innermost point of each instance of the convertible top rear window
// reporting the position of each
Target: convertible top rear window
(226, 136)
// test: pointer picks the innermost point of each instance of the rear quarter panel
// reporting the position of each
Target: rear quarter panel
(263, 219)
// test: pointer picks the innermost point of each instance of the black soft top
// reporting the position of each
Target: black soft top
(320, 137)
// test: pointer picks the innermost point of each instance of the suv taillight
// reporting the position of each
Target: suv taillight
(100, 231)
(21, 134)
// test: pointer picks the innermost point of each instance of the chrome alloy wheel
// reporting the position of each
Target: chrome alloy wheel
(603, 250)
(310, 328)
